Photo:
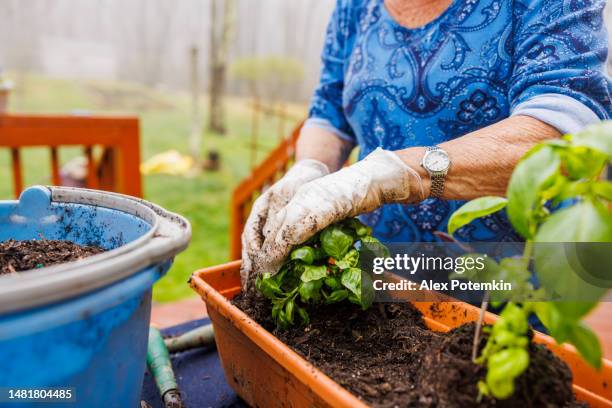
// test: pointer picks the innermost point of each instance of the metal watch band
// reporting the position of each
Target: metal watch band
(437, 185)
(437, 179)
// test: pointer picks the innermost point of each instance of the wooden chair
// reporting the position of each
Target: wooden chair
(115, 169)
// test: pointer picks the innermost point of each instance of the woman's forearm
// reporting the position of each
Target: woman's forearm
(323, 145)
(482, 161)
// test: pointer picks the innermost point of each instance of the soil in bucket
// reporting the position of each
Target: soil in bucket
(16, 256)
(387, 357)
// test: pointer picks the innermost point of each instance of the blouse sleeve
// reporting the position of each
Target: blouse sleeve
(326, 109)
(560, 50)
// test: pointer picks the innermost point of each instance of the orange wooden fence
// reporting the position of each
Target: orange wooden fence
(265, 174)
(115, 169)
(276, 111)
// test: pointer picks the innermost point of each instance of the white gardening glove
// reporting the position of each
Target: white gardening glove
(380, 178)
(268, 204)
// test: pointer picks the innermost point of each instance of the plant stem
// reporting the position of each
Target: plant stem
(483, 308)
(485, 301)
(527, 253)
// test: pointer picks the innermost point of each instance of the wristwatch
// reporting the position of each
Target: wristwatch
(437, 163)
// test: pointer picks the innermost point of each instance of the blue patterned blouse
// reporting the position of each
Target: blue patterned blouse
(477, 63)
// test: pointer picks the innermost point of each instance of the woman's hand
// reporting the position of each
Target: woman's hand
(270, 203)
(381, 178)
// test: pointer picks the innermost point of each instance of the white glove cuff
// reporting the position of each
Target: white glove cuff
(311, 165)
(409, 176)
(419, 181)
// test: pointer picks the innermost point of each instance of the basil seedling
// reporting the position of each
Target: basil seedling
(552, 172)
(324, 270)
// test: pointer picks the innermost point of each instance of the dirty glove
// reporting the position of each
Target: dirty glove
(269, 203)
(380, 178)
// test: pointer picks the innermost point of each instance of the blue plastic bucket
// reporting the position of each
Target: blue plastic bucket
(83, 325)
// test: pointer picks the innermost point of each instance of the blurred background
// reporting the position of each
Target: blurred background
(216, 84)
(219, 81)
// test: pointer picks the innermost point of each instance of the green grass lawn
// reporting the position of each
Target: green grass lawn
(165, 125)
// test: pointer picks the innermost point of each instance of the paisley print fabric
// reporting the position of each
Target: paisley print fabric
(386, 85)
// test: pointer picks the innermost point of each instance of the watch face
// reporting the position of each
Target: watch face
(436, 160)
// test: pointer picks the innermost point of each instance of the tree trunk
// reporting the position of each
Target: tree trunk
(216, 118)
(195, 137)
(220, 39)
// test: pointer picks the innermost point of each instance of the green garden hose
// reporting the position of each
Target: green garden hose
(203, 336)
(160, 366)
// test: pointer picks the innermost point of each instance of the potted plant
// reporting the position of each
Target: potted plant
(552, 173)
(5, 89)
(88, 294)
(266, 372)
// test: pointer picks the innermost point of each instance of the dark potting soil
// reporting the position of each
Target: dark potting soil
(16, 256)
(387, 357)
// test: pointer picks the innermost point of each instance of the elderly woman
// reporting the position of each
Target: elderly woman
(442, 97)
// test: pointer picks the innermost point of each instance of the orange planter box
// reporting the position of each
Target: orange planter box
(267, 373)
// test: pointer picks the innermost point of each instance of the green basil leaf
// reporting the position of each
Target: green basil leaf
(581, 162)
(268, 286)
(542, 310)
(351, 279)
(570, 190)
(305, 254)
(353, 298)
(513, 318)
(475, 209)
(289, 311)
(597, 137)
(275, 311)
(336, 296)
(556, 189)
(603, 189)
(566, 269)
(561, 318)
(314, 272)
(282, 321)
(510, 362)
(333, 282)
(350, 260)
(558, 326)
(506, 338)
(335, 241)
(584, 222)
(367, 291)
(533, 174)
(360, 228)
(500, 388)
(342, 265)
(483, 388)
(303, 315)
(503, 367)
(587, 344)
(574, 311)
(310, 290)
(374, 246)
